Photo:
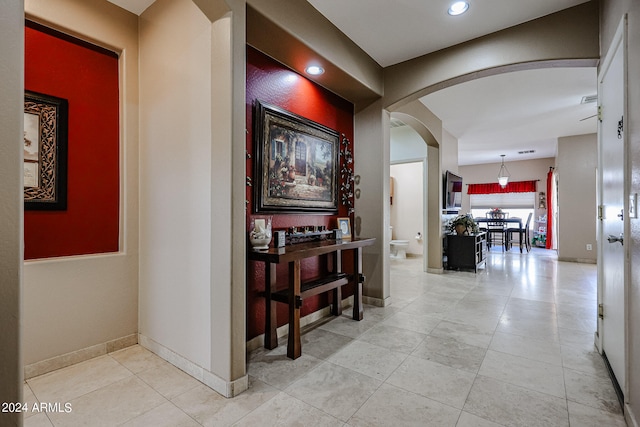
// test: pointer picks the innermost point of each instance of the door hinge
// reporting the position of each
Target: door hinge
(600, 311)
(600, 212)
(600, 112)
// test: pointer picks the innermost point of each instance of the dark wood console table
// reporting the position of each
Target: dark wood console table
(466, 251)
(295, 291)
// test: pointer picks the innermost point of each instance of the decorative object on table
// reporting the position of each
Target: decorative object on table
(307, 235)
(296, 163)
(542, 200)
(503, 174)
(279, 238)
(346, 174)
(260, 233)
(45, 152)
(463, 224)
(336, 234)
(344, 225)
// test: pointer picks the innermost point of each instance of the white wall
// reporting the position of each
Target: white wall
(11, 222)
(175, 179)
(406, 144)
(449, 152)
(73, 303)
(407, 210)
(191, 298)
(576, 170)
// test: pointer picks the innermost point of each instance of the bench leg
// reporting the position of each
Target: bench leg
(271, 321)
(336, 294)
(336, 301)
(358, 312)
(294, 345)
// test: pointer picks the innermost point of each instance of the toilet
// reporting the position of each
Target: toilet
(399, 248)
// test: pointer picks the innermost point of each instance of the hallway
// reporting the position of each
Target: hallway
(511, 345)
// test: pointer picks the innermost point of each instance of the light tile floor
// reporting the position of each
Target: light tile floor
(511, 345)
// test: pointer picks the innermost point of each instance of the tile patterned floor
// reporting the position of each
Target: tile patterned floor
(509, 346)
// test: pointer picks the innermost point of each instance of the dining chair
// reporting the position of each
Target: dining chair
(522, 233)
(496, 230)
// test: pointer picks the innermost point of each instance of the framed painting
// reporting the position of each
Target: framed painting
(45, 152)
(296, 163)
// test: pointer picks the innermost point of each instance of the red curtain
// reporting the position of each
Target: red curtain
(494, 187)
(549, 244)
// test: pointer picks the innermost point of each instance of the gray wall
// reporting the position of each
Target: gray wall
(576, 170)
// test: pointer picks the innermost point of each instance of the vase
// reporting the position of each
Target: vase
(260, 234)
(461, 229)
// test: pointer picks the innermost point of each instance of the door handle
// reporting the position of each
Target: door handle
(614, 239)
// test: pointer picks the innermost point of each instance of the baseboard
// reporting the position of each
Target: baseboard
(435, 270)
(221, 386)
(68, 359)
(629, 416)
(378, 302)
(578, 260)
(258, 342)
(614, 381)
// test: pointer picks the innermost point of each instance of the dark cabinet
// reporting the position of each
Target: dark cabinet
(466, 252)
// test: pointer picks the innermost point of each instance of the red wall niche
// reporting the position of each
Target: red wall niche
(87, 77)
(273, 83)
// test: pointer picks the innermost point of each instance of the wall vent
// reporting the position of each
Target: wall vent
(589, 99)
(526, 152)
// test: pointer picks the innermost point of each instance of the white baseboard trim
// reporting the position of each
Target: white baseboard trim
(225, 388)
(435, 270)
(378, 302)
(629, 416)
(258, 342)
(68, 359)
(578, 260)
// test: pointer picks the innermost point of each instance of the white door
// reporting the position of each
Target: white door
(611, 95)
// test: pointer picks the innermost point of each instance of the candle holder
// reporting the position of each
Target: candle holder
(260, 233)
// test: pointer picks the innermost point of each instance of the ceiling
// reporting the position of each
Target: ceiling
(503, 114)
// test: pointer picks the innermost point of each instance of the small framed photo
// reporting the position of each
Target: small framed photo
(344, 224)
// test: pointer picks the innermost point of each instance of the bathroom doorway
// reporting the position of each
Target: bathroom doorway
(407, 210)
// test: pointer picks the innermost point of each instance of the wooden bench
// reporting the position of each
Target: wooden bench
(294, 292)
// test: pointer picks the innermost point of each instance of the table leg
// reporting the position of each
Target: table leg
(358, 312)
(336, 294)
(294, 346)
(271, 321)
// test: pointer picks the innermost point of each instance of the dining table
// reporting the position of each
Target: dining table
(506, 222)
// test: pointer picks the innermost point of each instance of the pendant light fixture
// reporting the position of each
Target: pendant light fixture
(503, 174)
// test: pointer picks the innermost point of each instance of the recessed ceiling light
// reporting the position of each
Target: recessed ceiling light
(314, 70)
(458, 8)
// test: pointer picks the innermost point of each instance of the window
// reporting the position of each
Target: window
(515, 204)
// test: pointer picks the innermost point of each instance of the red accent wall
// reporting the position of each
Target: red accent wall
(88, 78)
(273, 83)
